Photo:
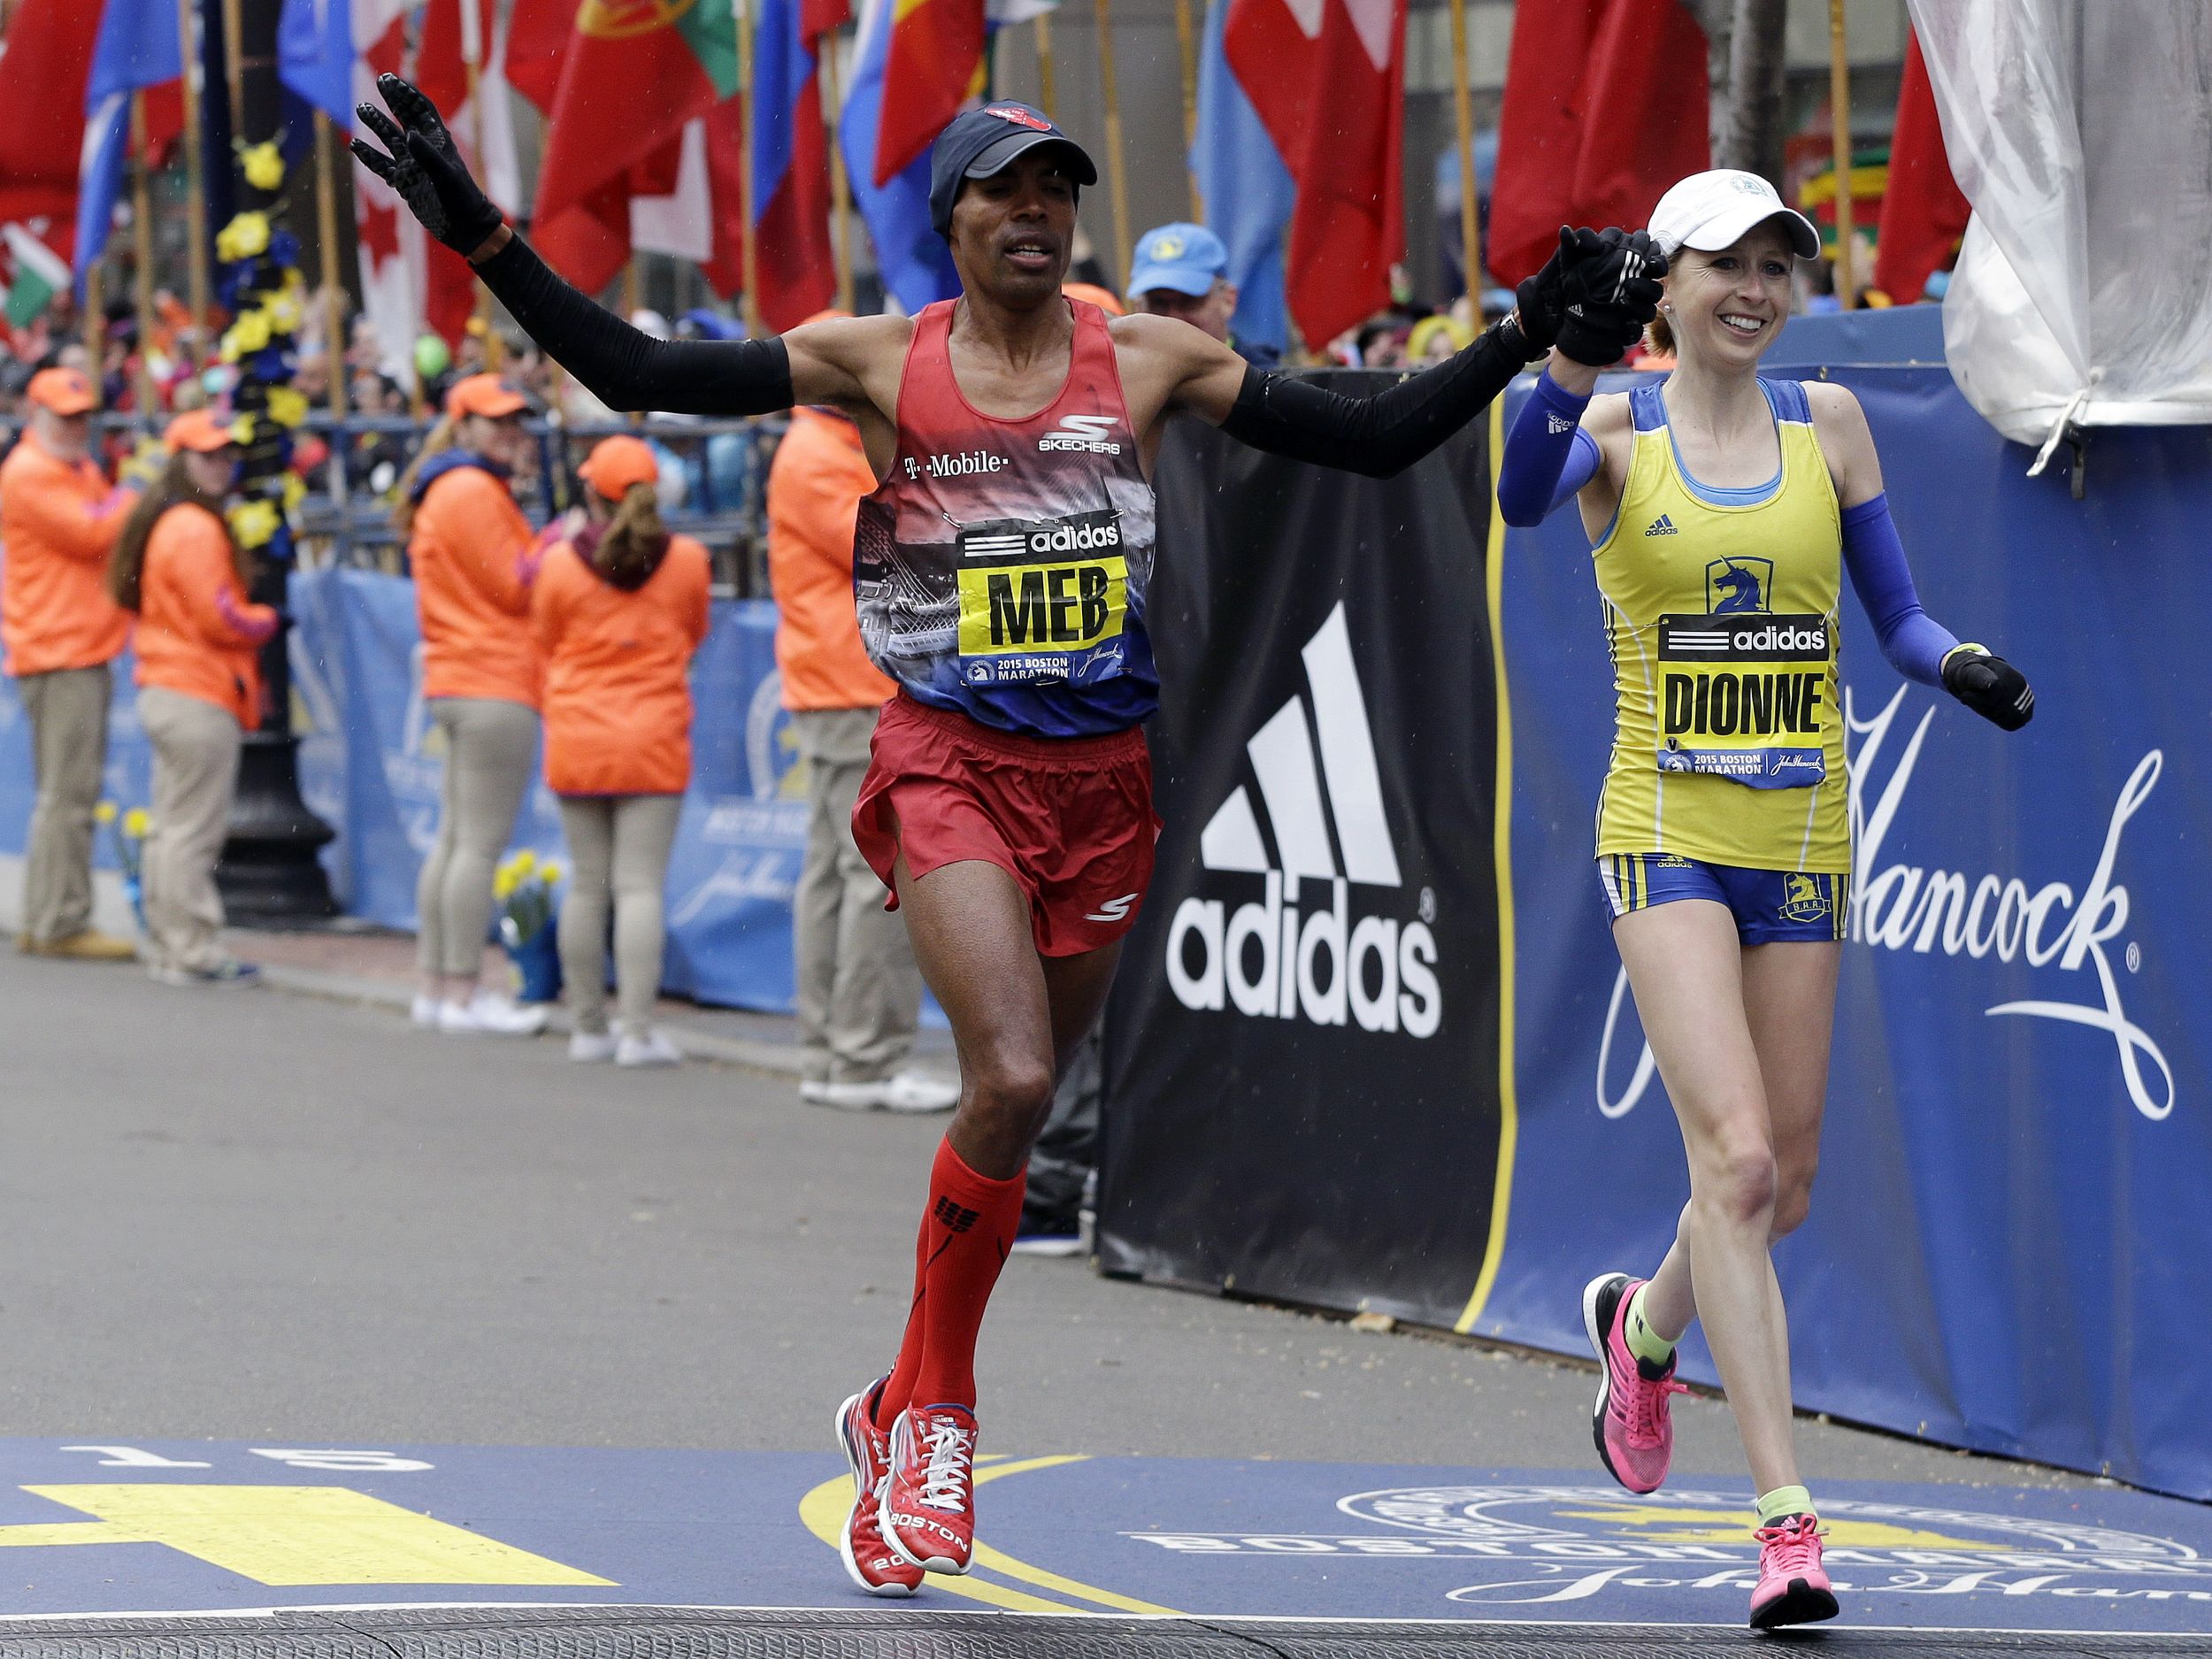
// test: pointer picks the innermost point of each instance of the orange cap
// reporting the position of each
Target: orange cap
(1105, 299)
(615, 465)
(198, 429)
(65, 391)
(485, 395)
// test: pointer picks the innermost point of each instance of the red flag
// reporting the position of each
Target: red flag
(1924, 215)
(43, 77)
(538, 33)
(935, 65)
(1328, 79)
(1605, 107)
(818, 17)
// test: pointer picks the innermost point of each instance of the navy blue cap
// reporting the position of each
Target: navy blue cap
(983, 143)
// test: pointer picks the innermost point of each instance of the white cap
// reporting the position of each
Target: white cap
(1712, 211)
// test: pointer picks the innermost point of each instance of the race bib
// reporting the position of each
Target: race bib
(1745, 696)
(1043, 600)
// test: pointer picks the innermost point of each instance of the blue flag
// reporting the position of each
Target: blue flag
(1247, 191)
(315, 56)
(136, 48)
(915, 263)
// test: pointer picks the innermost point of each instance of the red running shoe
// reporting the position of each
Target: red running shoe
(928, 1505)
(1633, 1429)
(871, 1563)
(1792, 1588)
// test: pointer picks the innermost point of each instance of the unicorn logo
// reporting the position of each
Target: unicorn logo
(1803, 898)
(1738, 584)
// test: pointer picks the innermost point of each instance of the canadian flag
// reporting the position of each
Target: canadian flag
(1328, 79)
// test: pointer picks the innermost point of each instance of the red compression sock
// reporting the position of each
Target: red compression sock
(966, 1233)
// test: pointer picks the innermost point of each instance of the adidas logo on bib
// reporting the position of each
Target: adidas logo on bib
(1660, 525)
(1379, 973)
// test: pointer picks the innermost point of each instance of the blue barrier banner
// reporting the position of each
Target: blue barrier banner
(129, 767)
(2009, 1239)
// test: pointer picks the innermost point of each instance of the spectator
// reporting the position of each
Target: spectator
(1182, 271)
(474, 559)
(1436, 340)
(58, 520)
(859, 992)
(1105, 299)
(199, 690)
(618, 608)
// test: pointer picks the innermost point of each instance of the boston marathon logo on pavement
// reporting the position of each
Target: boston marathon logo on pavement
(1530, 1545)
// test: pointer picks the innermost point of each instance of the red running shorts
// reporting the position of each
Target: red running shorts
(1069, 818)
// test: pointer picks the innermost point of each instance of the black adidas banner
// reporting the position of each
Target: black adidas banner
(1302, 1047)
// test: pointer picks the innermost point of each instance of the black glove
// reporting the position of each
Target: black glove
(1539, 303)
(1990, 685)
(1612, 292)
(424, 168)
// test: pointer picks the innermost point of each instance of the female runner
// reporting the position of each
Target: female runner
(1722, 509)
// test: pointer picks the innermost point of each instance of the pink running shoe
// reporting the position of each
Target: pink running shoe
(928, 1505)
(870, 1563)
(1792, 1589)
(1631, 1425)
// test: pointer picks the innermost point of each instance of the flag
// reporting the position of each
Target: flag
(1924, 213)
(933, 64)
(49, 48)
(646, 106)
(315, 56)
(136, 48)
(35, 274)
(791, 192)
(456, 33)
(1605, 108)
(393, 249)
(1327, 80)
(1247, 191)
(911, 257)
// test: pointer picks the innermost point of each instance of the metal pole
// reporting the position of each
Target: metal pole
(142, 250)
(194, 184)
(1046, 98)
(1840, 112)
(1186, 46)
(1463, 120)
(751, 304)
(840, 187)
(1116, 171)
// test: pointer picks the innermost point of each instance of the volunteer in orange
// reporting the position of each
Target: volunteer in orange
(199, 690)
(58, 521)
(859, 990)
(619, 609)
(474, 559)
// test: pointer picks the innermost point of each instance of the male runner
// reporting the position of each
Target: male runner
(1000, 572)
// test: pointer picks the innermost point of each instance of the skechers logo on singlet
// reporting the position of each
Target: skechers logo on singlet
(968, 463)
(1089, 434)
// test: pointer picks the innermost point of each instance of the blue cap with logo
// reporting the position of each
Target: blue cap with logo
(983, 142)
(1187, 258)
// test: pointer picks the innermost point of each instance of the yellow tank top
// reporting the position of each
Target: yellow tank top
(1721, 612)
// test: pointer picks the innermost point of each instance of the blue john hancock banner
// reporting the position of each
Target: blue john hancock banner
(2011, 1246)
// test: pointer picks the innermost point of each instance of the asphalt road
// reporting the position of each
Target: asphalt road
(257, 1215)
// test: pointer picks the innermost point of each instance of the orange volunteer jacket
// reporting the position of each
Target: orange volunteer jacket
(618, 672)
(58, 522)
(196, 633)
(815, 485)
(474, 560)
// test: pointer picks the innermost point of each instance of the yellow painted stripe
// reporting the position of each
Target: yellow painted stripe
(999, 1562)
(1502, 857)
(295, 1535)
(39, 1533)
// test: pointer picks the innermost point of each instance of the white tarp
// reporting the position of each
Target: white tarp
(2081, 131)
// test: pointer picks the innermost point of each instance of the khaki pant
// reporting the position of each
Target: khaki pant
(489, 748)
(859, 992)
(195, 775)
(618, 846)
(68, 710)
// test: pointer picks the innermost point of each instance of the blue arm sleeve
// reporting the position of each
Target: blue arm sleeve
(1914, 642)
(1547, 456)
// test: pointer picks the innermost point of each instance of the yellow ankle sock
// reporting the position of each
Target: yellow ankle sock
(1644, 1342)
(1782, 1503)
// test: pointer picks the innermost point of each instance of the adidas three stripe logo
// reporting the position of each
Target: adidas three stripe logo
(1660, 525)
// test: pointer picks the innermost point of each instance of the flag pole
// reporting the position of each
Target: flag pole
(1045, 96)
(472, 66)
(1186, 45)
(96, 323)
(1464, 119)
(194, 184)
(232, 72)
(143, 249)
(1840, 118)
(751, 304)
(840, 187)
(326, 233)
(1116, 173)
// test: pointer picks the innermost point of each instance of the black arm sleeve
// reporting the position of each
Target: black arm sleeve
(1383, 435)
(626, 369)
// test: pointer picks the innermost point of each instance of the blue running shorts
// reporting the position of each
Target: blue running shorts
(1770, 906)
